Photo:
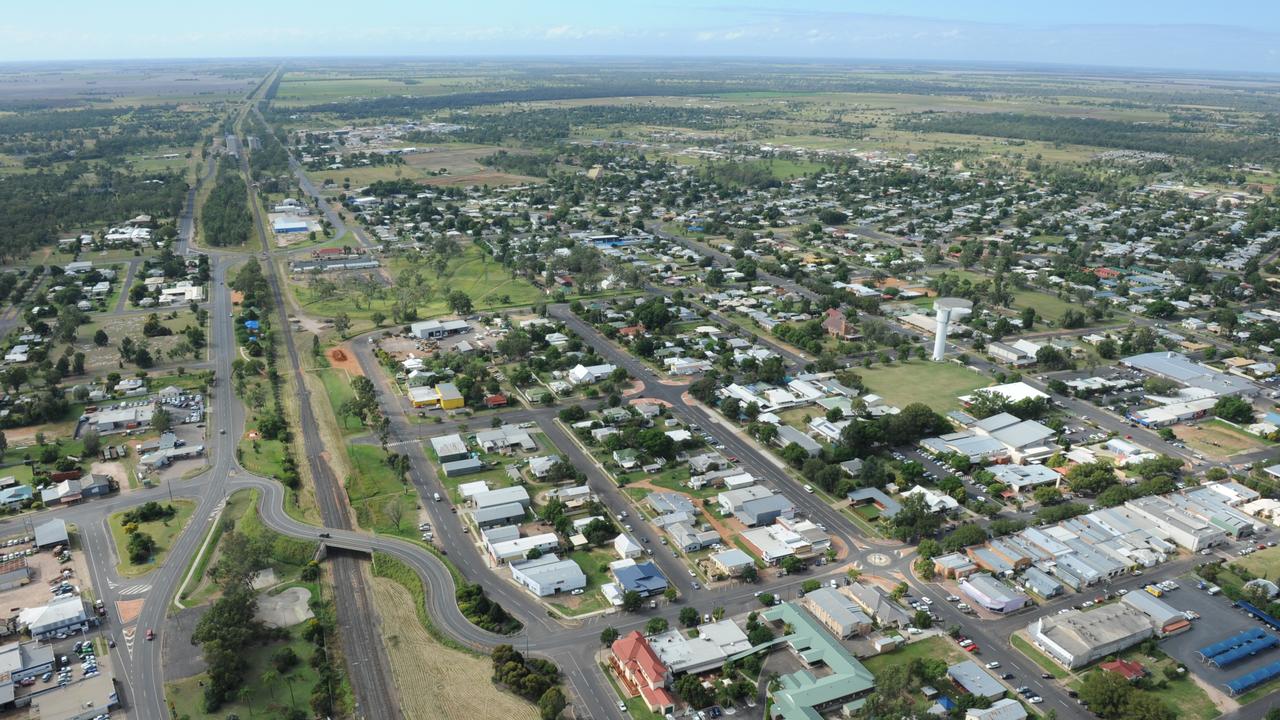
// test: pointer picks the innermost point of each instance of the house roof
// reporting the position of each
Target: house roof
(975, 680)
(1128, 669)
(633, 650)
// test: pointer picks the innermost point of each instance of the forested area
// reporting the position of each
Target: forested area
(1184, 140)
(225, 218)
(534, 165)
(35, 208)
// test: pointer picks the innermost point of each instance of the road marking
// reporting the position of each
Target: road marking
(128, 634)
(879, 559)
(135, 589)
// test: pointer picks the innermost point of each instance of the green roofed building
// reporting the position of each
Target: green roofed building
(803, 695)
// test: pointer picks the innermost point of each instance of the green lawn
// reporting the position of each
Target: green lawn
(1264, 563)
(1038, 657)
(378, 495)
(595, 565)
(164, 533)
(488, 284)
(262, 457)
(21, 473)
(263, 699)
(935, 647)
(337, 386)
(922, 381)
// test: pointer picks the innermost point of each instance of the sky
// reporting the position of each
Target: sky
(1178, 34)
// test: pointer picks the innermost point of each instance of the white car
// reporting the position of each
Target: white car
(926, 601)
(577, 591)
(993, 664)
(1035, 699)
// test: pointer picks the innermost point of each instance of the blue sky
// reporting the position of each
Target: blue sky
(1172, 34)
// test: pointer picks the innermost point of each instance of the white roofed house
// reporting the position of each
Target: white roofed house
(583, 375)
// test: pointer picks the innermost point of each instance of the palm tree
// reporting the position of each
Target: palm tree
(243, 695)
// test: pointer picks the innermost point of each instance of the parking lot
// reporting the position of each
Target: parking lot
(1218, 621)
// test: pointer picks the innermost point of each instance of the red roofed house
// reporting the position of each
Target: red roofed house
(642, 673)
(835, 324)
(1127, 669)
(631, 331)
(1106, 273)
(495, 400)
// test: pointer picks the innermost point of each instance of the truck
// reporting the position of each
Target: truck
(1154, 590)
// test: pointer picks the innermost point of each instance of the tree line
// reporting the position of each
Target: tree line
(225, 218)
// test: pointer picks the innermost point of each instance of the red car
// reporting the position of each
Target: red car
(151, 634)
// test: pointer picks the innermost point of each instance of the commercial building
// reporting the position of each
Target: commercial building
(519, 548)
(1077, 638)
(449, 447)
(992, 594)
(436, 329)
(1021, 478)
(839, 681)
(85, 699)
(641, 672)
(549, 575)
(495, 515)
(838, 612)
(504, 439)
(65, 614)
(1165, 620)
(764, 510)
(465, 466)
(51, 534)
(775, 542)
(501, 496)
(875, 602)
(14, 573)
(788, 435)
(732, 562)
(887, 506)
(716, 642)
(1178, 368)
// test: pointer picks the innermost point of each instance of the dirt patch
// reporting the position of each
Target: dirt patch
(482, 178)
(115, 470)
(127, 610)
(44, 568)
(237, 297)
(342, 358)
(436, 682)
(1217, 441)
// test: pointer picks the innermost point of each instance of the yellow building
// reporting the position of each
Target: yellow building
(423, 396)
(448, 396)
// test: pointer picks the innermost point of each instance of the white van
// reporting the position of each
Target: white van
(436, 496)
(808, 489)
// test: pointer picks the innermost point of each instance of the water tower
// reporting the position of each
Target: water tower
(946, 309)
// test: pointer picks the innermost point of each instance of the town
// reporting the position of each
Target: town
(431, 388)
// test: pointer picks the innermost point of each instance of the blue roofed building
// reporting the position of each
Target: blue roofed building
(644, 578)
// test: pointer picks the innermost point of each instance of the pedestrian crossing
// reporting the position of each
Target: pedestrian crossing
(138, 589)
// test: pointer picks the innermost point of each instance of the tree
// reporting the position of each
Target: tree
(162, 420)
(459, 302)
(1091, 478)
(656, 626)
(100, 338)
(551, 704)
(631, 601)
(4, 444)
(92, 442)
(1106, 693)
(608, 635)
(1028, 317)
(914, 520)
(395, 512)
(688, 616)
(1233, 409)
(670, 594)
(377, 318)
(342, 323)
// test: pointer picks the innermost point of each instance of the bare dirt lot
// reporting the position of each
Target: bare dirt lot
(436, 682)
(341, 358)
(43, 569)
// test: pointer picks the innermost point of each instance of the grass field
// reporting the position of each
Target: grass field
(164, 533)
(337, 386)
(262, 457)
(377, 494)
(488, 284)
(291, 690)
(934, 384)
(1215, 438)
(1264, 563)
(935, 647)
(437, 682)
